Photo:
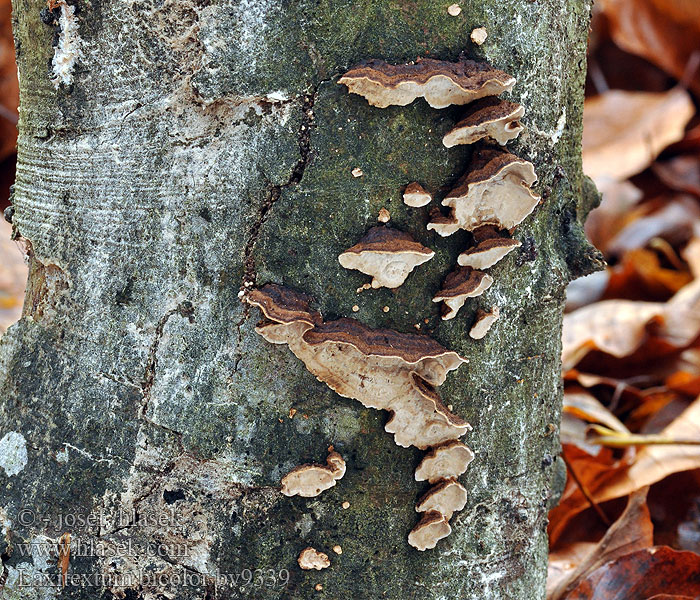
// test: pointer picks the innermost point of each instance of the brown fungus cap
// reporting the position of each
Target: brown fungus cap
(441, 83)
(446, 461)
(488, 250)
(420, 419)
(446, 497)
(482, 323)
(310, 480)
(429, 531)
(387, 254)
(310, 558)
(462, 283)
(495, 191)
(414, 195)
(489, 117)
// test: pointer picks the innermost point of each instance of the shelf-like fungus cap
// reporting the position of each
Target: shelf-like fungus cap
(414, 195)
(490, 248)
(441, 83)
(462, 283)
(419, 353)
(444, 225)
(429, 531)
(420, 419)
(446, 461)
(482, 323)
(387, 254)
(495, 191)
(446, 497)
(489, 117)
(310, 480)
(286, 312)
(310, 558)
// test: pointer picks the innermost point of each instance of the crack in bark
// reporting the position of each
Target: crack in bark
(186, 310)
(274, 192)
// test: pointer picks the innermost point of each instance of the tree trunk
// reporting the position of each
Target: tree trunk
(194, 146)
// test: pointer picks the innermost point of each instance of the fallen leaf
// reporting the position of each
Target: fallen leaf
(632, 531)
(581, 404)
(13, 278)
(615, 211)
(665, 32)
(9, 85)
(642, 575)
(623, 132)
(681, 173)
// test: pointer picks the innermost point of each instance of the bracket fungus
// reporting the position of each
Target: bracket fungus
(495, 191)
(310, 558)
(310, 480)
(441, 83)
(446, 497)
(482, 323)
(488, 117)
(429, 531)
(387, 254)
(489, 249)
(446, 461)
(414, 195)
(462, 283)
(381, 368)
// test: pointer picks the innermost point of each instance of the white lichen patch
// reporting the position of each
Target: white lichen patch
(67, 50)
(13, 453)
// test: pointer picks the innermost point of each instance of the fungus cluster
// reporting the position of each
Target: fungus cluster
(398, 372)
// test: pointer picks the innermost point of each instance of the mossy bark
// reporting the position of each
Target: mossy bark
(204, 144)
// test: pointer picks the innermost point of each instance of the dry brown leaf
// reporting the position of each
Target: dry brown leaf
(9, 86)
(681, 173)
(579, 403)
(691, 254)
(607, 479)
(623, 132)
(615, 211)
(616, 327)
(665, 32)
(675, 222)
(632, 531)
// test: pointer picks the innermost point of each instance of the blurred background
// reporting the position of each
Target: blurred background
(628, 524)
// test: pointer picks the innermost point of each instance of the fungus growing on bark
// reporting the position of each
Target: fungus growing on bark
(310, 558)
(489, 117)
(489, 249)
(381, 368)
(310, 480)
(462, 283)
(421, 419)
(482, 323)
(414, 195)
(446, 461)
(441, 83)
(446, 497)
(387, 254)
(495, 191)
(479, 35)
(429, 531)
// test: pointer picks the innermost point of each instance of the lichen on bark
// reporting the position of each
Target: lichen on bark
(202, 143)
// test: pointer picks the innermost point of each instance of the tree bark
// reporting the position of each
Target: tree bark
(198, 145)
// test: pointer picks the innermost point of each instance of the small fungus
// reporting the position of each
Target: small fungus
(357, 172)
(483, 322)
(479, 35)
(447, 461)
(495, 191)
(489, 117)
(384, 216)
(337, 549)
(441, 83)
(387, 254)
(345, 505)
(489, 249)
(318, 587)
(459, 285)
(310, 558)
(429, 531)
(454, 10)
(310, 480)
(446, 497)
(414, 195)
